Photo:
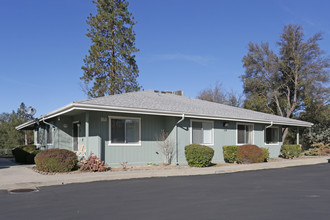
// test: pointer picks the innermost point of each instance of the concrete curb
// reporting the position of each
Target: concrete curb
(25, 177)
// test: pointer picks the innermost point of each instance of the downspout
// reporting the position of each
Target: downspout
(43, 120)
(177, 139)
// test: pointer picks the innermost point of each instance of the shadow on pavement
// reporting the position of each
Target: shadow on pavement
(7, 162)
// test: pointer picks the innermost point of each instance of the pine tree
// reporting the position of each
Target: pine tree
(110, 68)
(9, 136)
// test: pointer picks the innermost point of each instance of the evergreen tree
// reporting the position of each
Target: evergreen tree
(9, 136)
(110, 68)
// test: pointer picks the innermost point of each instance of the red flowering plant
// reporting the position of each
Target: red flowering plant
(93, 164)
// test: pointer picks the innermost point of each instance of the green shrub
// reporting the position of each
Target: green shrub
(230, 153)
(266, 153)
(198, 155)
(56, 160)
(290, 151)
(25, 154)
(250, 154)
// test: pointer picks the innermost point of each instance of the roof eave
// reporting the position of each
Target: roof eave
(80, 106)
(93, 107)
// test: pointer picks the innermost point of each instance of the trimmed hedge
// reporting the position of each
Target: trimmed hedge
(25, 154)
(250, 154)
(266, 153)
(290, 151)
(230, 153)
(56, 160)
(198, 155)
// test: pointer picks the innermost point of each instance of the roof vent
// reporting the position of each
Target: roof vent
(179, 92)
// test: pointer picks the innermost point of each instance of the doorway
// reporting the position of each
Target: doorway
(75, 135)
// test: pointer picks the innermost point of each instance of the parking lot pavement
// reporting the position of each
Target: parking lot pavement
(22, 176)
(289, 193)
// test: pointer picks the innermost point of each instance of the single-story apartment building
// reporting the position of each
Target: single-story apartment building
(124, 127)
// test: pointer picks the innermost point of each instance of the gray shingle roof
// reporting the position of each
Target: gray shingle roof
(152, 101)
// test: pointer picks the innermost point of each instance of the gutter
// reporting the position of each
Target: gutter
(271, 124)
(92, 107)
(43, 120)
(177, 139)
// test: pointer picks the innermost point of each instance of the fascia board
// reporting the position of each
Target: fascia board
(91, 107)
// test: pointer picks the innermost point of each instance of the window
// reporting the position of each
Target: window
(244, 134)
(44, 133)
(201, 132)
(125, 131)
(38, 135)
(49, 134)
(271, 135)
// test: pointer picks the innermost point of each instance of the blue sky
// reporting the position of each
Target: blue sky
(184, 44)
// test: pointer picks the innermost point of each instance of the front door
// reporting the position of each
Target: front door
(75, 135)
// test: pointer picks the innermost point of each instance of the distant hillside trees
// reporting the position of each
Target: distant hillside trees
(218, 94)
(9, 136)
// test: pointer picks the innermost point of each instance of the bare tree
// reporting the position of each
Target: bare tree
(218, 94)
(166, 146)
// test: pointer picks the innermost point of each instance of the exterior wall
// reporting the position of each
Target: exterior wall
(151, 126)
(260, 139)
(226, 136)
(148, 151)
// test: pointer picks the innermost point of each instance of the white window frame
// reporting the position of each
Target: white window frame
(237, 133)
(278, 132)
(124, 144)
(212, 131)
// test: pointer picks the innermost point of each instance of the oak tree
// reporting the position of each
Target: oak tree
(279, 83)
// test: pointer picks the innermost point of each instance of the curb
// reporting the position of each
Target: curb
(139, 174)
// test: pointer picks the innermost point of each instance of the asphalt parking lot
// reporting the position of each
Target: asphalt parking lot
(287, 193)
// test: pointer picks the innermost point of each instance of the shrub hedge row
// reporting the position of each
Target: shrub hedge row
(290, 151)
(230, 154)
(25, 154)
(250, 154)
(198, 155)
(56, 160)
(266, 154)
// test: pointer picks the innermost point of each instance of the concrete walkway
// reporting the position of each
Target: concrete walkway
(13, 176)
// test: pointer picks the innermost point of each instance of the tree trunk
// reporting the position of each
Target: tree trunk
(285, 132)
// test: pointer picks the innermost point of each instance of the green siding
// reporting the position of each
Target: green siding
(148, 151)
(135, 155)
(63, 136)
(274, 149)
